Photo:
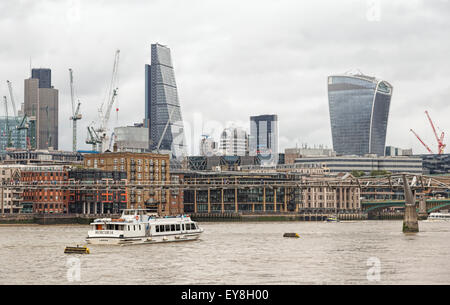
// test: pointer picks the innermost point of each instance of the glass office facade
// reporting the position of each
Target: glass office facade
(162, 107)
(359, 110)
(263, 139)
(10, 136)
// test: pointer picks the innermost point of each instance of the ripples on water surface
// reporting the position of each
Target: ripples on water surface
(236, 253)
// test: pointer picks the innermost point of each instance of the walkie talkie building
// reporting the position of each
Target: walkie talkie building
(162, 107)
(359, 110)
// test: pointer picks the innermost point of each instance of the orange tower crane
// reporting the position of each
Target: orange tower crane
(440, 140)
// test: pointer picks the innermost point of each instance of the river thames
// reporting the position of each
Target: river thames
(362, 252)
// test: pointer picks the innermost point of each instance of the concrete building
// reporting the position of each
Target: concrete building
(304, 169)
(131, 139)
(41, 104)
(347, 164)
(263, 139)
(43, 157)
(341, 199)
(436, 164)
(233, 142)
(162, 107)
(290, 154)
(395, 151)
(359, 110)
(208, 147)
(10, 197)
(141, 168)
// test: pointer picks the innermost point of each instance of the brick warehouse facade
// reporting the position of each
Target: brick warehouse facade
(46, 201)
(142, 168)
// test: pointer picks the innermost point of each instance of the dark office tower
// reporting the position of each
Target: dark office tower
(263, 140)
(359, 110)
(162, 107)
(41, 106)
(44, 76)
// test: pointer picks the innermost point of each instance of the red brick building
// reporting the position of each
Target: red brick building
(46, 200)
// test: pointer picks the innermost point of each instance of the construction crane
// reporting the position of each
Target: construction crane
(76, 115)
(11, 95)
(25, 125)
(439, 140)
(423, 143)
(92, 138)
(104, 111)
(7, 129)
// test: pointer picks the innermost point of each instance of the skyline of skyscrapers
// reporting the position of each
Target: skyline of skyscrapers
(354, 100)
(162, 107)
(359, 110)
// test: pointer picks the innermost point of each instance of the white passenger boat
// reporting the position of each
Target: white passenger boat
(136, 226)
(439, 216)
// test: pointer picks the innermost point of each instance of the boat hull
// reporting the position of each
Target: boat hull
(104, 240)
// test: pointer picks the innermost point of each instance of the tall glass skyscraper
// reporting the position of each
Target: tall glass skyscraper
(263, 140)
(359, 110)
(162, 107)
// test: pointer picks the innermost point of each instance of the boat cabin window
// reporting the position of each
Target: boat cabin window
(191, 226)
(109, 227)
(167, 228)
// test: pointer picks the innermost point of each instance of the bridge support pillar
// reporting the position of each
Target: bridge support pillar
(410, 220)
(422, 208)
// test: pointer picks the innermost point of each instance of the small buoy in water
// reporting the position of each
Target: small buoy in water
(77, 250)
(291, 235)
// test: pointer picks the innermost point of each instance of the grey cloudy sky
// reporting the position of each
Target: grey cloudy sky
(235, 58)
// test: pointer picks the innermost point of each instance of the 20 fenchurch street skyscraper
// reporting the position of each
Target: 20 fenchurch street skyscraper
(162, 107)
(359, 110)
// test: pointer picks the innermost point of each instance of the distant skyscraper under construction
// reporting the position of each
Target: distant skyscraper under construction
(359, 110)
(162, 107)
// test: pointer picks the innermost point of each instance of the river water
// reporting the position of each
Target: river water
(363, 252)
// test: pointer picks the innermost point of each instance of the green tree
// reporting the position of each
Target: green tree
(379, 173)
(357, 174)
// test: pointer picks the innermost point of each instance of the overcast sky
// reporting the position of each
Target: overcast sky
(236, 58)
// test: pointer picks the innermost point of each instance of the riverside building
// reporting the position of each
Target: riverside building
(368, 164)
(141, 168)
